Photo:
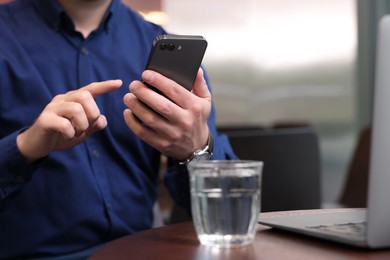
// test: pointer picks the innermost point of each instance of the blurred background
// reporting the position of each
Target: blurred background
(271, 62)
(283, 61)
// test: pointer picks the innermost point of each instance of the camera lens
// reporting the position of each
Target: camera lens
(163, 46)
(171, 46)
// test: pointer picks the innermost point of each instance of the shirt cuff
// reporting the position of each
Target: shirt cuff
(15, 170)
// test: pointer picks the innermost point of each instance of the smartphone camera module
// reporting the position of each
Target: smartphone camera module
(163, 46)
(171, 46)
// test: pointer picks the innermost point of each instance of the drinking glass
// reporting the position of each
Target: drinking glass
(225, 201)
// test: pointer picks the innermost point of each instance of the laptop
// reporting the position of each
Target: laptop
(368, 227)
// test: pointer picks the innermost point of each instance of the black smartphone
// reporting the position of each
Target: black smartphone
(177, 57)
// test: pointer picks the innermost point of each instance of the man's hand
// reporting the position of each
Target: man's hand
(66, 121)
(176, 127)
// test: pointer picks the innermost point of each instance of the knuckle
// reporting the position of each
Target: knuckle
(84, 96)
(59, 97)
(175, 137)
(77, 108)
(165, 145)
(165, 108)
(149, 120)
(64, 125)
(172, 89)
(187, 124)
(197, 108)
(51, 106)
(138, 132)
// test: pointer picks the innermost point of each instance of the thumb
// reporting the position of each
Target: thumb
(98, 125)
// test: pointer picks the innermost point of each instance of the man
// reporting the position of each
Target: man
(79, 154)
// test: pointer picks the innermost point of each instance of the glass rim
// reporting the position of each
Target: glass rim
(226, 163)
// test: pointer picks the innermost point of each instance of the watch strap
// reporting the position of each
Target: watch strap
(207, 150)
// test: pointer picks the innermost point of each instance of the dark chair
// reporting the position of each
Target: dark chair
(291, 174)
(354, 194)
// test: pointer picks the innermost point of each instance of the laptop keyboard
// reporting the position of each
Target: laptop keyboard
(346, 229)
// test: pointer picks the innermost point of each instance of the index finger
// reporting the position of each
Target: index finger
(102, 87)
(171, 89)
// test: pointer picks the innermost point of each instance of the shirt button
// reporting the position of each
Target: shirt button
(96, 153)
(85, 51)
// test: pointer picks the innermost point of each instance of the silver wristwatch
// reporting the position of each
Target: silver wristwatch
(203, 154)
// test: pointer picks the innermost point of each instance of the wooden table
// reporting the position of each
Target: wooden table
(179, 241)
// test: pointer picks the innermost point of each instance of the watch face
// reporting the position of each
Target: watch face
(201, 157)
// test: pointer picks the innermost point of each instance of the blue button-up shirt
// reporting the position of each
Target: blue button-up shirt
(103, 188)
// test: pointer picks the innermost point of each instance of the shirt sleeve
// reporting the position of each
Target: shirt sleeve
(15, 171)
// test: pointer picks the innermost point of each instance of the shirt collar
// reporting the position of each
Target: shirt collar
(57, 18)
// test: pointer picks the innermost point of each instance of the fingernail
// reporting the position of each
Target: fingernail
(148, 75)
(117, 81)
(133, 86)
(126, 99)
